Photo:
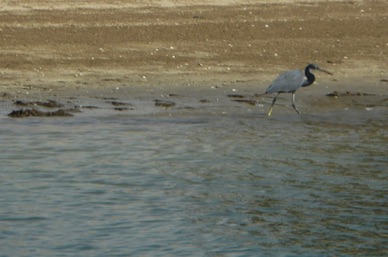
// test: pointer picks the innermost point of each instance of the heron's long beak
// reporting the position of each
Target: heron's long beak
(325, 71)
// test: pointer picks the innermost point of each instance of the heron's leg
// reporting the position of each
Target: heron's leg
(293, 103)
(273, 102)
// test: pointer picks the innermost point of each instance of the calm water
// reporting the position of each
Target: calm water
(194, 185)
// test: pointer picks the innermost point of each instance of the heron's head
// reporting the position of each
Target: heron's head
(313, 66)
(316, 67)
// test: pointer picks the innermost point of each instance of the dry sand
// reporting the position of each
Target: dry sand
(194, 53)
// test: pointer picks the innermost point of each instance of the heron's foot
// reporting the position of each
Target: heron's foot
(296, 109)
(270, 112)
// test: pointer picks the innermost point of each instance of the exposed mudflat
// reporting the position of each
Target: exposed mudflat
(194, 53)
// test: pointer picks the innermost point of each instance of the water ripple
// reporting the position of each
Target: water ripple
(194, 186)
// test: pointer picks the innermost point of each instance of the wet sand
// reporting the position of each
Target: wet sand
(185, 56)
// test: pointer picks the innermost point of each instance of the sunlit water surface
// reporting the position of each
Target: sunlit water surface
(194, 185)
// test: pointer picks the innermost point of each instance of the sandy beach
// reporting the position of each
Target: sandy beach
(193, 54)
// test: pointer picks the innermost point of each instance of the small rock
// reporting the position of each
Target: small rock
(247, 101)
(162, 103)
(235, 96)
(116, 103)
(22, 113)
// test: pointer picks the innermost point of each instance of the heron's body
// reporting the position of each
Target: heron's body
(287, 82)
(290, 81)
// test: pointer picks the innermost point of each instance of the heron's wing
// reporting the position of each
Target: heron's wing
(287, 82)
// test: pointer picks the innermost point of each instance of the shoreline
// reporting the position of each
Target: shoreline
(134, 95)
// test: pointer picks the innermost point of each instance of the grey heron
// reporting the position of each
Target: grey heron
(290, 81)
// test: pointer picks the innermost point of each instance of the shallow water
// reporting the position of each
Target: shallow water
(194, 185)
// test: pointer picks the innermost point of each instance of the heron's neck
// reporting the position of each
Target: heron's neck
(310, 78)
